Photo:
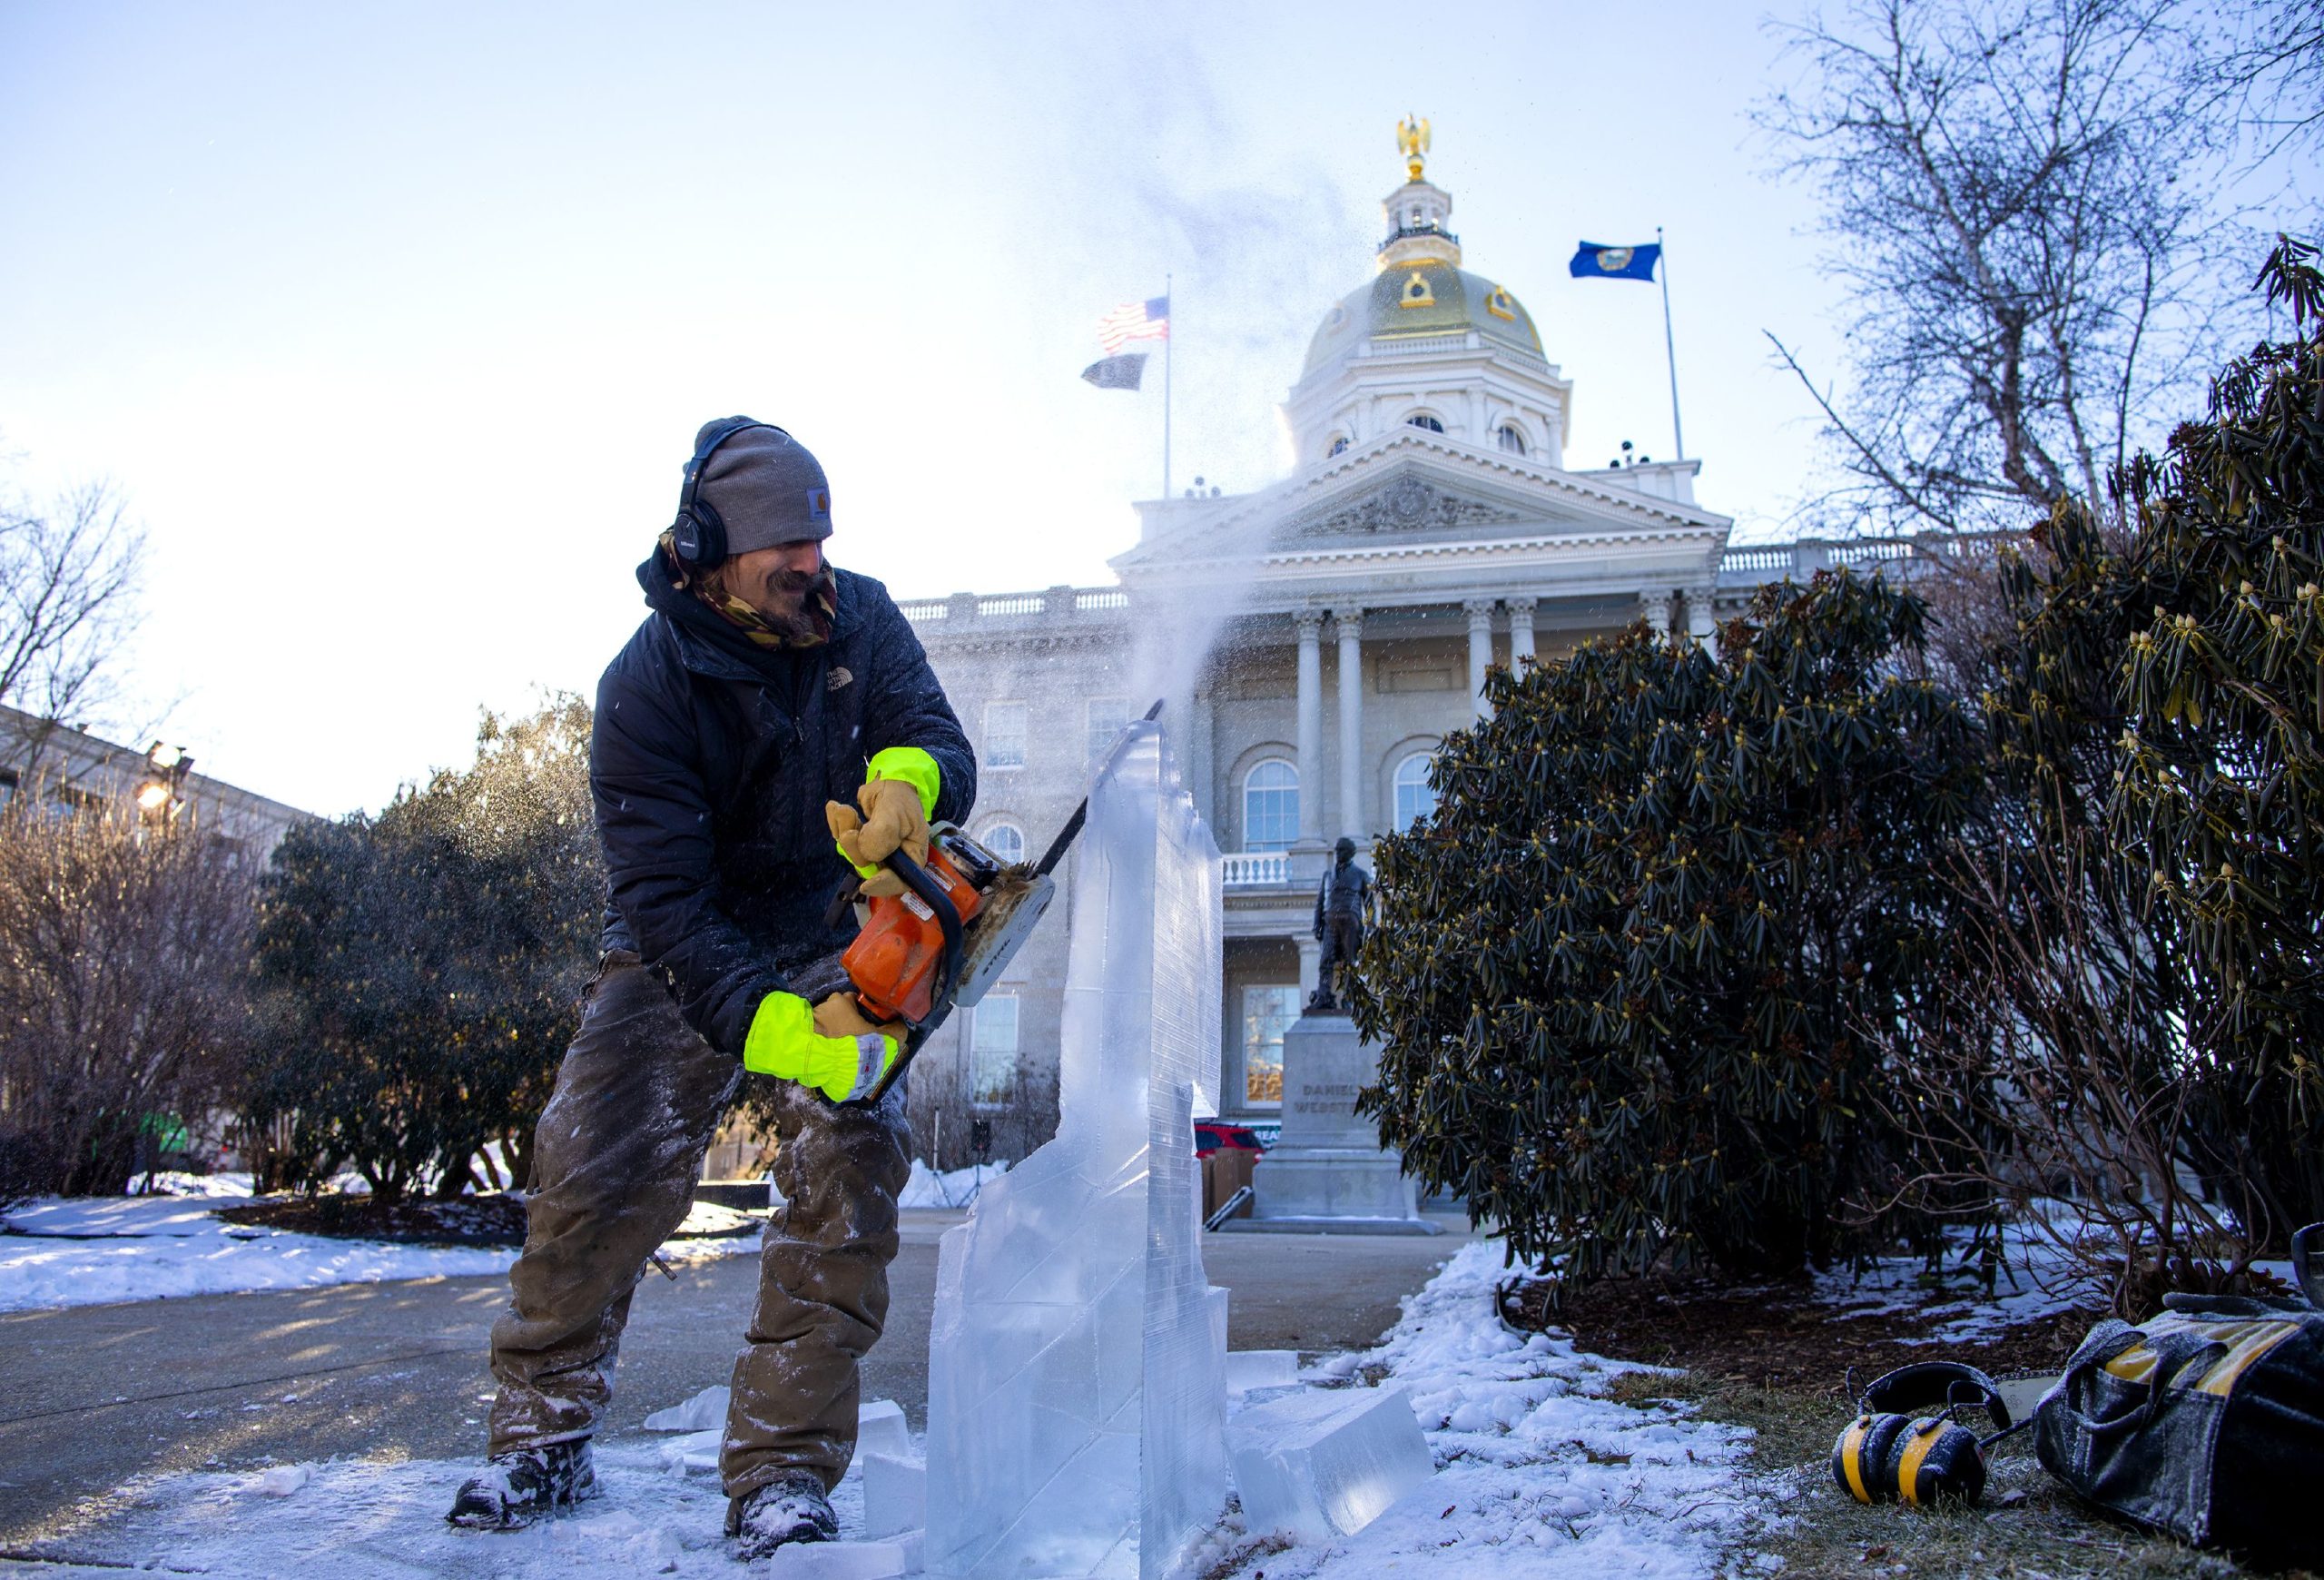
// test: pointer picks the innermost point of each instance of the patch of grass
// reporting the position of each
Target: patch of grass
(2028, 1526)
(1244, 1552)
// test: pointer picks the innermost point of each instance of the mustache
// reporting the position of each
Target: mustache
(797, 581)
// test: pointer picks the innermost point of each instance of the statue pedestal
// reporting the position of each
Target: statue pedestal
(1329, 1173)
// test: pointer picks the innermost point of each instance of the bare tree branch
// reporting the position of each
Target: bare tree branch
(69, 577)
(2015, 195)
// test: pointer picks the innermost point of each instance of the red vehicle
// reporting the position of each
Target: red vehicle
(1212, 1135)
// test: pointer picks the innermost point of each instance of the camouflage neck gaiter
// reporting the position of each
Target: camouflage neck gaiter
(811, 629)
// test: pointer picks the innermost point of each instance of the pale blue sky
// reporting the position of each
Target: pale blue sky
(395, 323)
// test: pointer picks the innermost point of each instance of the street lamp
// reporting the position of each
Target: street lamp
(162, 792)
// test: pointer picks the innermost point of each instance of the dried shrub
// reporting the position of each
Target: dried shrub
(123, 958)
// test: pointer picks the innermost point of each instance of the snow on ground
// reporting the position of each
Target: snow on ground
(927, 1188)
(1540, 1474)
(1543, 1476)
(2034, 1276)
(373, 1520)
(91, 1251)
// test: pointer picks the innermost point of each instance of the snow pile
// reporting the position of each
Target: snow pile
(927, 1188)
(1541, 1474)
(2034, 1277)
(91, 1251)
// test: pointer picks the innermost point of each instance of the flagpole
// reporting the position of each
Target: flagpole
(1670, 351)
(1170, 312)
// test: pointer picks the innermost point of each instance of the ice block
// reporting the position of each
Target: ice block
(1260, 1369)
(895, 1495)
(879, 1429)
(1326, 1462)
(1074, 1388)
(705, 1412)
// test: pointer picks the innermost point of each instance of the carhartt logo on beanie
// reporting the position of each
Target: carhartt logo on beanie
(768, 488)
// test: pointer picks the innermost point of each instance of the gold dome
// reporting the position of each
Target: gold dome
(1423, 298)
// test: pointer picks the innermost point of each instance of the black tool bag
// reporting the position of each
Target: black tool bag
(2206, 1422)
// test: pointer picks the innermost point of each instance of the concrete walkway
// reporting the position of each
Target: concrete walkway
(98, 1395)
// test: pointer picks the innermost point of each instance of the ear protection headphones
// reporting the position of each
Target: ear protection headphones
(698, 536)
(1892, 1454)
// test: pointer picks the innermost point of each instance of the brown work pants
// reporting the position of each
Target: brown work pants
(615, 1157)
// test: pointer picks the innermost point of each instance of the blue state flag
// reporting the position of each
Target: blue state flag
(1597, 261)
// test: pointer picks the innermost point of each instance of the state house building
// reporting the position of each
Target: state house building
(1313, 641)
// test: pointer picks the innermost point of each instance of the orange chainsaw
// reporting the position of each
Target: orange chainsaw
(946, 939)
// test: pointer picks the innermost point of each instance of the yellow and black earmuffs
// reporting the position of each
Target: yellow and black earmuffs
(1905, 1444)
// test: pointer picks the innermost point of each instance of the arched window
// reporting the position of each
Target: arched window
(1423, 419)
(1511, 439)
(1007, 840)
(1270, 805)
(1339, 443)
(1414, 799)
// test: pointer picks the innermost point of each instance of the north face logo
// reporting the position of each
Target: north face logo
(838, 678)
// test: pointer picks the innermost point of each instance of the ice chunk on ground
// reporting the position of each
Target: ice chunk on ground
(879, 1429)
(1328, 1462)
(895, 1494)
(838, 1561)
(1248, 1369)
(702, 1413)
(282, 1480)
(694, 1451)
(1075, 1382)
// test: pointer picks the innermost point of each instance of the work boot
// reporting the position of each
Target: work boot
(521, 1486)
(790, 1508)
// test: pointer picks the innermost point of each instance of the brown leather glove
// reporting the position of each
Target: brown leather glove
(892, 819)
(841, 1015)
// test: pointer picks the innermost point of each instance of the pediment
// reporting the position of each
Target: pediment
(1405, 506)
(1404, 492)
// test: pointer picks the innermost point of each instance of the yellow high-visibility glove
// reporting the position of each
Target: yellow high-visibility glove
(898, 796)
(783, 1041)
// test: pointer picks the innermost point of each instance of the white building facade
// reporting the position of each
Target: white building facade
(1312, 642)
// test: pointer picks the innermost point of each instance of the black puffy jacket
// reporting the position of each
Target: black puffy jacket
(710, 763)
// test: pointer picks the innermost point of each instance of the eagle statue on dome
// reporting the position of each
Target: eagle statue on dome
(1412, 141)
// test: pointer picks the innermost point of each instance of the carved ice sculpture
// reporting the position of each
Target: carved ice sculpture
(1075, 1387)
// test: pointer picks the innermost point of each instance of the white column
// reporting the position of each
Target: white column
(1350, 808)
(1199, 766)
(1480, 650)
(1700, 623)
(1654, 608)
(1520, 632)
(1311, 964)
(1311, 726)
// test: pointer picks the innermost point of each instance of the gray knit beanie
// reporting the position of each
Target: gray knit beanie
(767, 487)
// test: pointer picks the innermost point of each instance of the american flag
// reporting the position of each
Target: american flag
(1135, 320)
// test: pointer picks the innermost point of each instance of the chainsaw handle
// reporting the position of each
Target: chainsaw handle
(932, 894)
(948, 919)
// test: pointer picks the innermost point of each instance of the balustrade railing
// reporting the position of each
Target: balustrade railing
(1253, 869)
(1016, 605)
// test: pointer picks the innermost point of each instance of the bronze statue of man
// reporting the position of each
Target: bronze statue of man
(1342, 902)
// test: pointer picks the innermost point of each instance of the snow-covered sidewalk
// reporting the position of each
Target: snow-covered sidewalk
(1541, 1475)
(94, 1251)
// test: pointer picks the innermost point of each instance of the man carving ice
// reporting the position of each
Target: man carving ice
(773, 721)
(1342, 902)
